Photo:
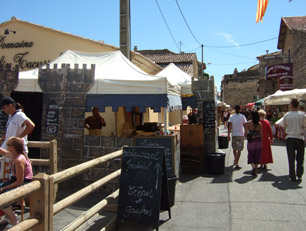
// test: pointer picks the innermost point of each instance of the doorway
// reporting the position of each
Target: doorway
(32, 103)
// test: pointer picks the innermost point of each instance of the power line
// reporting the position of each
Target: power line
(230, 54)
(194, 49)
(187, 23)
(248, 44)
(224, 64)
(167, 25)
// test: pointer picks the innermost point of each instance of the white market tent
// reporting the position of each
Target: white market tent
(178, 77)
(118, 82)
(284, 97)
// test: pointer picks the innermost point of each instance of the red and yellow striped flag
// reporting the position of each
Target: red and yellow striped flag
(261, 9)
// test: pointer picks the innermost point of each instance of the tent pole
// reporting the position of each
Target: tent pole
(165, 120)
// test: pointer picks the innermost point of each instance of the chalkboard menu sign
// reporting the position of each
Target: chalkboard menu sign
(209, 114)
(141, 185)
(52, 115)
(159, 142)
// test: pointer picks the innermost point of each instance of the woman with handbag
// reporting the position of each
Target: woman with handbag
(253, 133)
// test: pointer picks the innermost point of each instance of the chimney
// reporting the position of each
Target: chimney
(135, 48)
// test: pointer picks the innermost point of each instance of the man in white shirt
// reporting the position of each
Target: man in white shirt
(236, 124)
(18, 123)
(294, 123)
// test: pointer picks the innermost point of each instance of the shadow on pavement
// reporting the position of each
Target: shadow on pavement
(189, 177)
(279, 182)
(283, 183)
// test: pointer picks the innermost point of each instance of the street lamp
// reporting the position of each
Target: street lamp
(7, 31)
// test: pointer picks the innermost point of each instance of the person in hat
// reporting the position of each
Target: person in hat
(18, 124)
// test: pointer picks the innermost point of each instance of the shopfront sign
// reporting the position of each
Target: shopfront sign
(283, 73)
(19, 58)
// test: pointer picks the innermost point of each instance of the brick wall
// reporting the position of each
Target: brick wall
(299, 54)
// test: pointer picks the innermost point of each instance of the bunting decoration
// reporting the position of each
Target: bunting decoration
(261, 9)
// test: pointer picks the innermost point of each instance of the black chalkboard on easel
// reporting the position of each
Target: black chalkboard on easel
(209, 117)
(165, 142)
(143, 181)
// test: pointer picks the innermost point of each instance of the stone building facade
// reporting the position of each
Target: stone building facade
(240, 87)
(291, 40)
(268, 87)
(299, 54)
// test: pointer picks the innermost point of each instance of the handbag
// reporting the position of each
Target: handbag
(250, 134)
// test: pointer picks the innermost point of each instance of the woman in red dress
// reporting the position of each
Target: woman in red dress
(267, 140)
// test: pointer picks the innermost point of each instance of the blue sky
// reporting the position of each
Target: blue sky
(213, 23)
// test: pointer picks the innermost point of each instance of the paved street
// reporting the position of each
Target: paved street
(233, 201)
(237, 200)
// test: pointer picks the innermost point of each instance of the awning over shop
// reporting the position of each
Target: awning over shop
(284, 97)
(260, 102)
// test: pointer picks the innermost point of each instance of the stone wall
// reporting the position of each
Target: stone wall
(204, 90)
(96, 146)
(8, 79)
(299, 54)
(68, 88)
(240, 88)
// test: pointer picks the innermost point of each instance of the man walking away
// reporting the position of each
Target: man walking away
(294, 123)
(236, 125)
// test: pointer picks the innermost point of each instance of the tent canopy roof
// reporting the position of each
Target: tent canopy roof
(114, 75)
(284, 97)
(177, 77)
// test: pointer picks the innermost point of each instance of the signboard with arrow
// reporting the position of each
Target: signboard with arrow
(143, 182)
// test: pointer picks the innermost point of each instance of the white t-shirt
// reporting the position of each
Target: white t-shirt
(14, 128)
(294, 123)
(238, 121)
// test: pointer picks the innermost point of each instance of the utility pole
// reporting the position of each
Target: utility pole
(125, 28)
(202, 72)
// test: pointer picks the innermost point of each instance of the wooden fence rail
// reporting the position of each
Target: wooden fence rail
(42, 190)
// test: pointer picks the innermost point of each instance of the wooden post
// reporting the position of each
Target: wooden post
(52, 197)
(53, 164)
(39, 203)
(53, 156)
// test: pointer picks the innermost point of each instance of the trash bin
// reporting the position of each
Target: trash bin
(215, 163)
(172, 184)
(223, 142)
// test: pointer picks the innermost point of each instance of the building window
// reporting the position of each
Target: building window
(288, 55)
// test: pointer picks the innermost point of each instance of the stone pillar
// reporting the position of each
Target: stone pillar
(64, 105)
(8, 82)
(204, 90)
(8, 79)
